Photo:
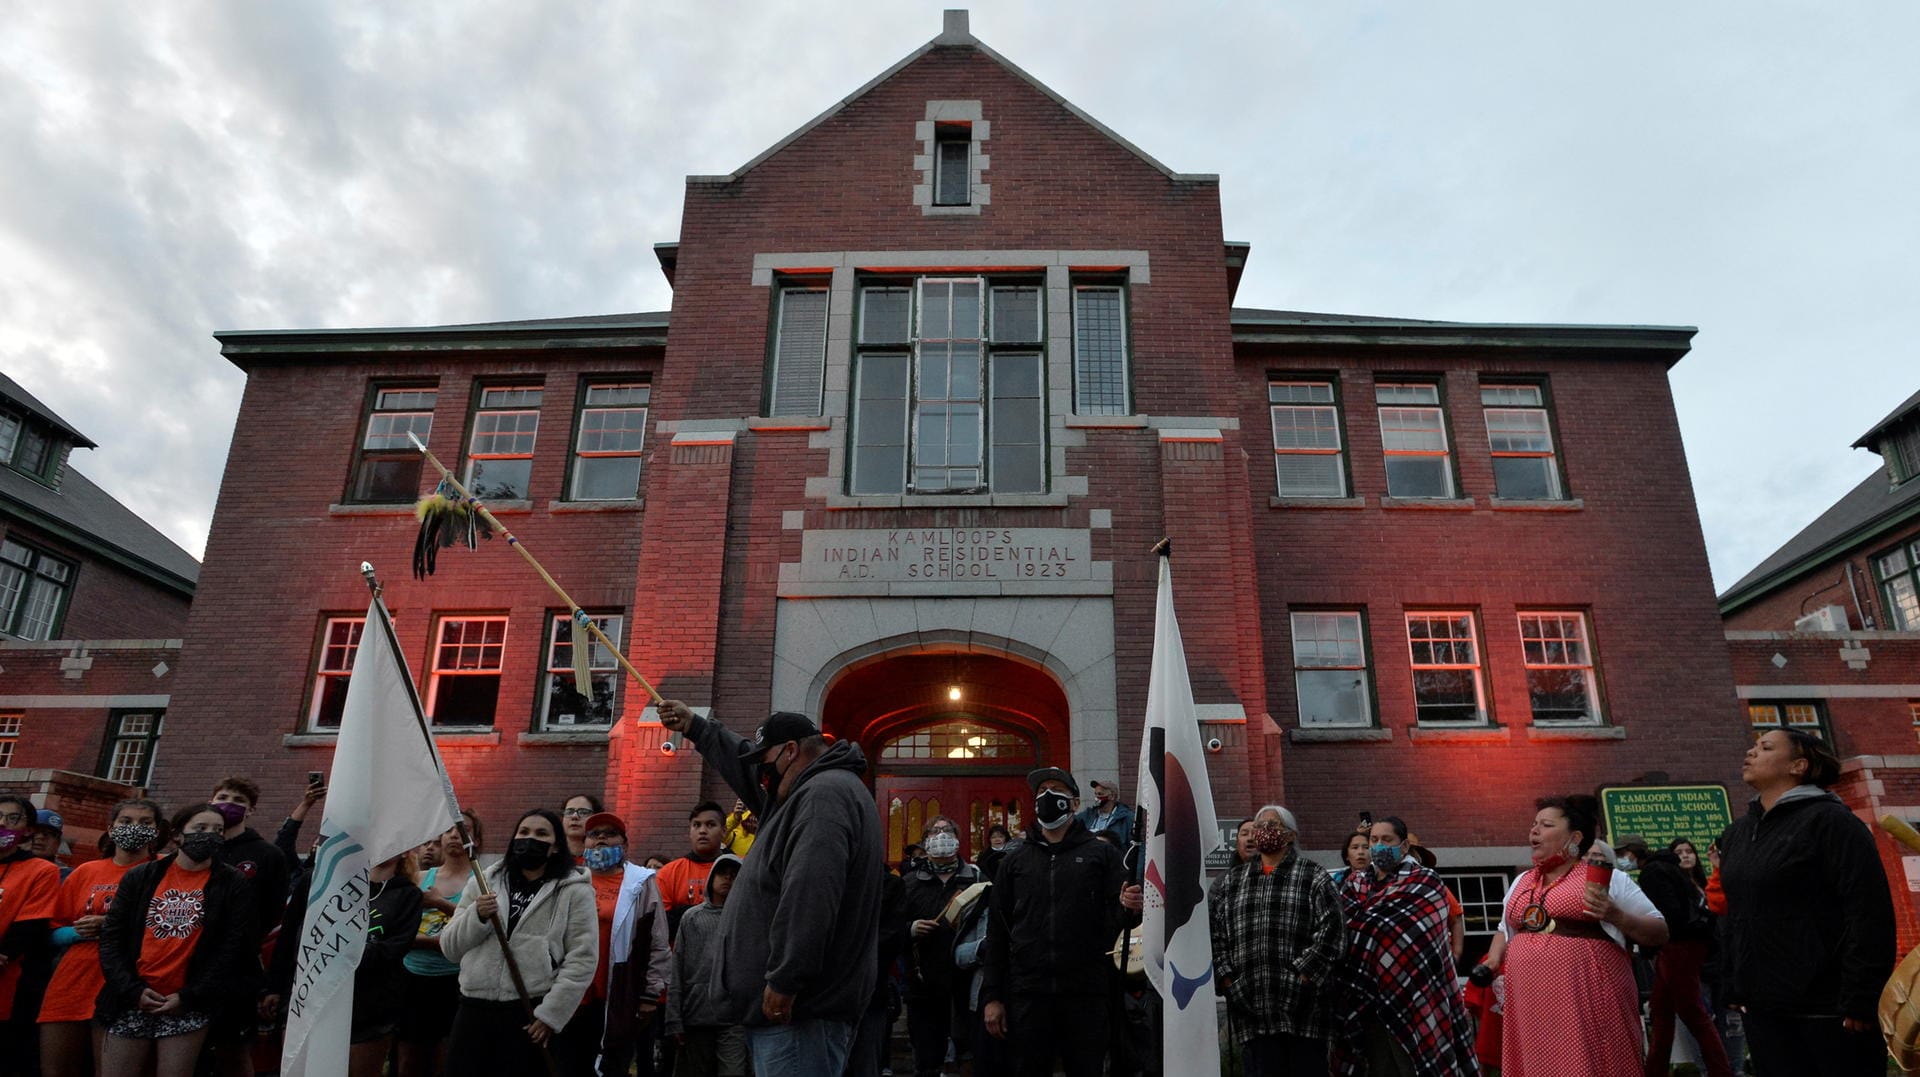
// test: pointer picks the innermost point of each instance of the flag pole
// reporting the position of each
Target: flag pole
(579, 616)
(453, 803)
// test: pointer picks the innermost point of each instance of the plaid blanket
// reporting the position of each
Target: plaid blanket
(1399, 971)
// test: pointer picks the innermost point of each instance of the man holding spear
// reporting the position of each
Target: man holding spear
(801, 928)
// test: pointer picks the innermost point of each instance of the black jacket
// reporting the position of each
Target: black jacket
(216, 969)
(930, 958)
(1055, 915)
(1680, 902)
(266, 869)
(1809, 917)
(804, 914)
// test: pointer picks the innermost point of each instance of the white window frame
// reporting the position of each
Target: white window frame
(920, 389)
(1081, 405)
(1477, 666)
(10, 723)
(404, 417)
(23, 585)
(1900, 587)
(482, 411)
(604, 665)
(800, 399)
(334, 662)
(1519, 404)
(1331, 407)
(436, 651)
(1806, 715)
(1387, 410)
(120, 759)
(1590, 667)
(589, 408)
(1307, 665)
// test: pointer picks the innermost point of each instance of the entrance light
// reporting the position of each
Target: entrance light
(953, 693)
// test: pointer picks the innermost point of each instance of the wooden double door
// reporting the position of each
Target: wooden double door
(975, 801)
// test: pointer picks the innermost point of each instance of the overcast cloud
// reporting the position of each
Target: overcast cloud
(169, 170)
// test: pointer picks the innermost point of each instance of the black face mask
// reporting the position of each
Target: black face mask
(769, 777)
(202, 845)
(1052, 809)
(528, 853)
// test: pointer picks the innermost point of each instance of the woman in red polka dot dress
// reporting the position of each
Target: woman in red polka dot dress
(1572, 1008)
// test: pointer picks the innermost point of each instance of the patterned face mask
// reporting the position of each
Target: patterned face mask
(605, 857)
(1270, 837)
(132, 837)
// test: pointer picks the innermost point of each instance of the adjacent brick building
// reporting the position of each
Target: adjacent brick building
(93, 605)
(1825, 635)
(941, 368)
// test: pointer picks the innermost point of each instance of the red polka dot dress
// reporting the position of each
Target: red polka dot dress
(1572, 1008)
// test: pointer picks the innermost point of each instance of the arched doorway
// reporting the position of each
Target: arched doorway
(949, 732)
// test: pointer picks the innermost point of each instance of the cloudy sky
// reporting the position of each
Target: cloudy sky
(173, 169)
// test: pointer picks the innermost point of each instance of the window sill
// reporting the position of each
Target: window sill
(1473, 734)
(571, 736)
(781, 424)
(1576, 732)
(1316, 502)
(1057, 499)
(1336, 735)
(635, 505)
(310, 740)
(1107, 422)
(1507, 504)
(370, 510)
(508, 507)
(1439, 504)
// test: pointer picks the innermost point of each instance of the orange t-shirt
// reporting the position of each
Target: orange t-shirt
(683, 883)
(28, 888)
(1454, 907)
(77, 980)
(606, 895)
(174, 918)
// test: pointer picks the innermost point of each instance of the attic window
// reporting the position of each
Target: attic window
(24, 445)
(1902, 451)
(953, 150)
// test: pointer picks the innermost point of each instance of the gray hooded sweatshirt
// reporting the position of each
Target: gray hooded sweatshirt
(804, 914)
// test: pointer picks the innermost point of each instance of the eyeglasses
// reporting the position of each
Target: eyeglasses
(943, 830)
(576, 813)
(12, 819)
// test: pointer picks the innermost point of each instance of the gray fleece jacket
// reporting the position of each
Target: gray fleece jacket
(804, 915)
(556, 941)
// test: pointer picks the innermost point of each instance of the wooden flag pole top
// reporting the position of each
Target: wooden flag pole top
(500, 529)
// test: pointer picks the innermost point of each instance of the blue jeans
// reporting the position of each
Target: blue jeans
(802, 1049)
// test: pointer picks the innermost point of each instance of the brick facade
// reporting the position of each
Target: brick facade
(710, 565)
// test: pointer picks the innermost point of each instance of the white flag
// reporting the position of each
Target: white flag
(1176, 941)
(389, 793)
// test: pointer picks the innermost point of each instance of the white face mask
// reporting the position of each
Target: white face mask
(942, 846)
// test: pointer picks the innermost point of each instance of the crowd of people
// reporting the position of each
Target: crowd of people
(780, 943)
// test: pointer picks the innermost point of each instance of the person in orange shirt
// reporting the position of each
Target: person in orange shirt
(175, 942)
(28, 887)
(614, 1022)
(68, 1036)
(683, 882)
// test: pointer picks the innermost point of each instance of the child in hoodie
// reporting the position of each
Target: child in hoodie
(708, 1047)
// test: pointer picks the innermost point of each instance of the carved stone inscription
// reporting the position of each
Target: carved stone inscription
(958, 554)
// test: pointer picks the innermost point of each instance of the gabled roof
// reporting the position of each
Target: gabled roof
(1907, 407)
(955, 34)
(12, 391)
(1872, 508)
(87, 516)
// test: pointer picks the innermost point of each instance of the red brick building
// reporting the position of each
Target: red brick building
(941, 368)
(93, 605)
(1825, 635)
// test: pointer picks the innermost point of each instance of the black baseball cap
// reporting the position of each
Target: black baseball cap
(780, 728)
(1035, 777)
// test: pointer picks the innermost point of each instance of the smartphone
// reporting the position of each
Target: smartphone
(1366, 819)
(314, 778)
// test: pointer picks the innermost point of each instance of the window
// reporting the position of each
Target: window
(131, 736)
(1913, 711)
(1413, 434)
(387, 469)
(1100, 350)
(1559, 664)
(1330, 668)
(1901, 450)
(949, 390)
(613, 431)
(1306, 439)
(1521, 440)
(1806, 715)
(9, 736)
(959, 739)
(500, 457)
(952, 153)
(561, 703)
(799, 352)
(1899, 574)
(1446, 667)
(467, 658)
(339, 643)
(1482, 897)
(25, 445)
(34, 588)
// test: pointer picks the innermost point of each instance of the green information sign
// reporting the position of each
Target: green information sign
(1660, 813)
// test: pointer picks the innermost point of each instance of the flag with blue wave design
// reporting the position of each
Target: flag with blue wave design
(389, 793)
